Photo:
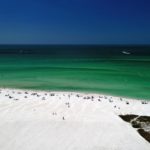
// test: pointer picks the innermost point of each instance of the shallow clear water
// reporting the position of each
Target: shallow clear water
(121, 75)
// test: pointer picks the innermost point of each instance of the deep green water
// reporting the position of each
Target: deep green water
(127, 76)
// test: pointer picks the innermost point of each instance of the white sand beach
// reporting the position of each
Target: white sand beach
(38, 120)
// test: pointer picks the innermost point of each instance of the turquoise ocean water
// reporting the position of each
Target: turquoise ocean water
(114, 70)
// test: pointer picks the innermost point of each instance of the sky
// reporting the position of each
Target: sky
(74, 21)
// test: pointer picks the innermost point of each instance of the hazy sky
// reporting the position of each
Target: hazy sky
(75, 21)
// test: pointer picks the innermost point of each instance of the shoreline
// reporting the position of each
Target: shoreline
(76, 92)
(70, 120)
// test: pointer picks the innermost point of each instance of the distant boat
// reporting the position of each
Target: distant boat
(126, 52)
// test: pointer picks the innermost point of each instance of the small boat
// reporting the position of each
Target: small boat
(126, 52)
